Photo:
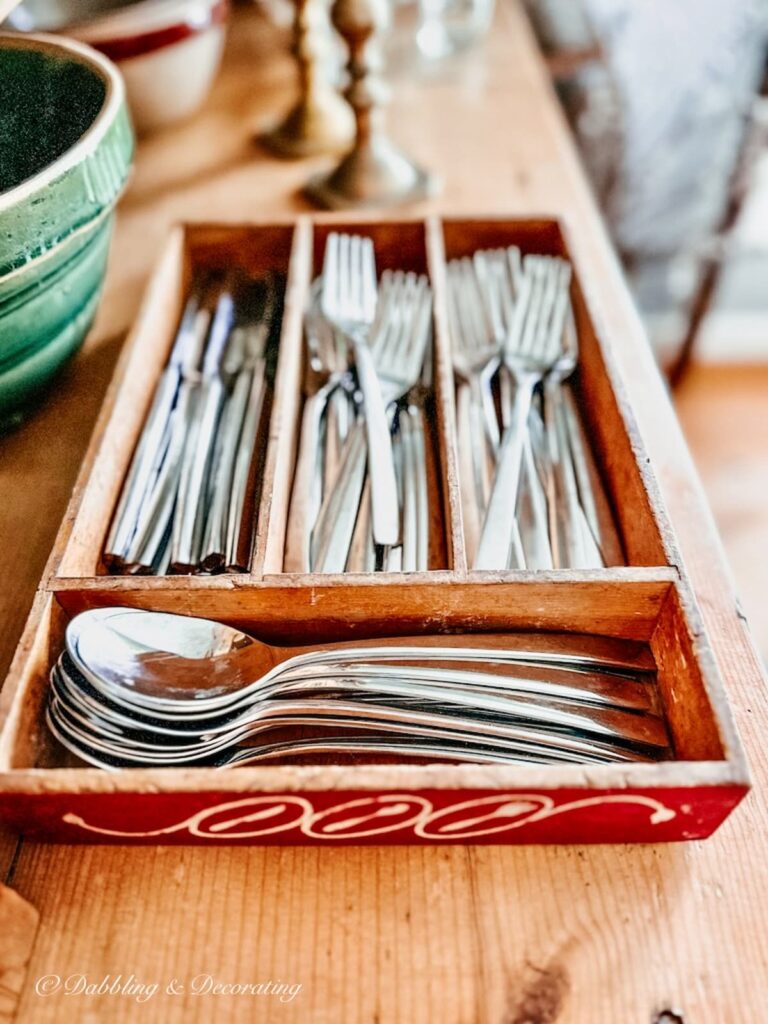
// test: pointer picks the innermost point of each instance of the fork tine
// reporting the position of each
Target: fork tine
(511, 255)
(407, 357)
(368, 279)
(399, 318)
(490, 285)
(411, 339)
(426, 334)
(423, 333)
(329, 297)
(466, 310)
(397, 350)
(342, 272)
(354, 276)
(508, 286)
(519, 315)
(556, 342)
(549, 296)
(538, 281)
(472, 305)
(385, 314)
(458, 343)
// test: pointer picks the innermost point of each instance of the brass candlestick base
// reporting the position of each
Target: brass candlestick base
(321, 121)
(324, 125)
(375, 175)
(375, 172)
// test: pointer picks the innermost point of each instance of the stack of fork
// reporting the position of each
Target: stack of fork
(531, 494)
(183, 505)
(360, 500)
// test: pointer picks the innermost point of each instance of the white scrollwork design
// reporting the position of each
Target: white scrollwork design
(201, 825)
(369, 816)
(255, 817)
(493, 814)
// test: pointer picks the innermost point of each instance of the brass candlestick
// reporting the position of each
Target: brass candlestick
(321, 121)
(375, 172)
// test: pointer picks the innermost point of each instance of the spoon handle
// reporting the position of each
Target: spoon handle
(605, 653)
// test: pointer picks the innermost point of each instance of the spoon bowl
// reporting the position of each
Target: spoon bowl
(175, 663)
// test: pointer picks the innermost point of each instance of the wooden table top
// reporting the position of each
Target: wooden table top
(406, 935)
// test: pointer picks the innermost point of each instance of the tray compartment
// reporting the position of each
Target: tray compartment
(399, 245)
(257, 251)
(683, 798)
(647, 613)
(609, 422)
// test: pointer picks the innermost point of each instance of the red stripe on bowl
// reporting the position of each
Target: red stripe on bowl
(125, 47)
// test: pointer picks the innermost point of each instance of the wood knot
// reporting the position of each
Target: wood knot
(539, 998)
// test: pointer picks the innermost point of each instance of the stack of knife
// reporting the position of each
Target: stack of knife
(186, 503)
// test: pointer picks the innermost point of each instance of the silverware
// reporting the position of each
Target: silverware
(544, 466)
(528, 355)
(599, 736)
(323, 374)
(139, 687)
(424, 741)
(181, 507)
(146, 656)
(594, 502)
(245, 365)
(349, 303)
(351, 744)
(153, 443)
(415, 504)
(399, 341)
(189, 517)
(457, 696)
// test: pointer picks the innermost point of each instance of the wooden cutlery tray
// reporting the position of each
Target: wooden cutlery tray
(44, 794)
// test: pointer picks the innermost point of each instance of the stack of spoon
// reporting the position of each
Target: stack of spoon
(143, 688)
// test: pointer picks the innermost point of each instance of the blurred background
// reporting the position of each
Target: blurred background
(668, 106)
(668, 103)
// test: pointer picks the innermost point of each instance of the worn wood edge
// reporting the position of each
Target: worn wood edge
(241, 581)
(13, 694)
(444, 391)
(19, 922)
(284, 420)
(712, 679)
(615, 376)
(370, 778)
(619, 607)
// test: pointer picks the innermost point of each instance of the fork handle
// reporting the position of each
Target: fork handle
(302, 516)
(336, 523)
(496, 534)
(385, 512)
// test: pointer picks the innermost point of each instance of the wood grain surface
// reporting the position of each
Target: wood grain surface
(18, 925)
(398, 936)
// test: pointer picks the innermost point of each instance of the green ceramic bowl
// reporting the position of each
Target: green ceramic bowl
(66, 146)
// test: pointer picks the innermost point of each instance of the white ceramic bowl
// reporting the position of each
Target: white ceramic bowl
(168, 50)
